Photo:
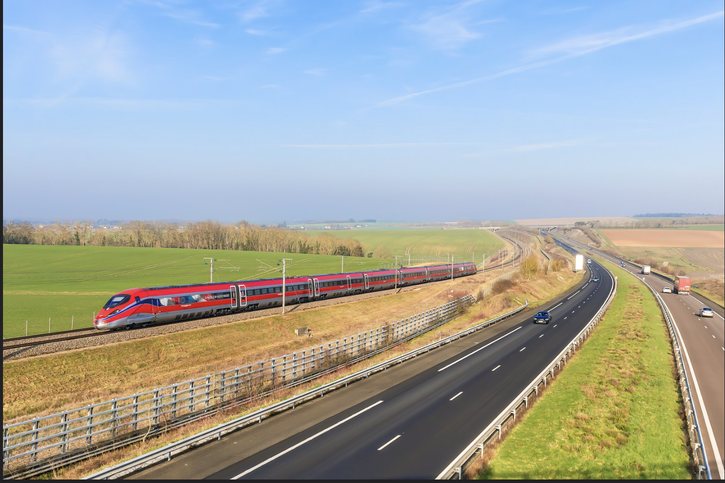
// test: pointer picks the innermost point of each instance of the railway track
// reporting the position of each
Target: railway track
(77, 334)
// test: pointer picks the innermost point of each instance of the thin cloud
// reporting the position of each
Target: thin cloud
(579, 49)
(375, 146)
(450, 30)
(23, 30)
(316, 72)
(526, 148)
(275, 50)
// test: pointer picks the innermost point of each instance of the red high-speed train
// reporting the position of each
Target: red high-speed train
(144, 306)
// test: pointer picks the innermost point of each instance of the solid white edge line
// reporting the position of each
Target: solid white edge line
(479, 349)
(715, 449)
(451, 399)
(268, 460)
(383, 446)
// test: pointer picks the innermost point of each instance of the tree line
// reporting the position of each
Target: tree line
(205, 235)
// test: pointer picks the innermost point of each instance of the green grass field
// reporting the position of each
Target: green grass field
(69, 283)
(424, 244)
(613, 412)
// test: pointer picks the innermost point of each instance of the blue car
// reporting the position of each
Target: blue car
(542, 317)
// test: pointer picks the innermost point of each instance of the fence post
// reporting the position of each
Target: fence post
(135, 412)
(34, 446)
(49, 325)
(114, 418)
(64, 433)
(89, 425)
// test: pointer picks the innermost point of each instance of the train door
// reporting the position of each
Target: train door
(242, 296)
(310, 290)
(349, 283)
(233, 293)
(317, 287)
(366, 282)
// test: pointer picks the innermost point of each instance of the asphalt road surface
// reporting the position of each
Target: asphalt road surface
(409, 421)
(703, 345)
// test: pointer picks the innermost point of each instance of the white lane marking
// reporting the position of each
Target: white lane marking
(383, 446)
(574, 294)
(552, 309)
(268, 460)
(469, 355)
(558, 324)
(451, 399)
(523, 349)
(495, 367)
(542, 335)
(713, 442)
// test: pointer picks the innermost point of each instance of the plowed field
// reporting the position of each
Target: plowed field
(666, 238)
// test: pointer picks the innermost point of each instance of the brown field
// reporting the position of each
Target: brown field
(666, 238)
(570, 221)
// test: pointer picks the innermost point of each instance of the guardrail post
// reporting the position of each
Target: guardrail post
(498, 428)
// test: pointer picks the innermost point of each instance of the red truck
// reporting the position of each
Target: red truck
(682, 285)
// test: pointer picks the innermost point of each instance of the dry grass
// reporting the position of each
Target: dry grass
(49, 384)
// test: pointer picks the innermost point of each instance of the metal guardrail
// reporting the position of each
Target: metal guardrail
(693, 426)
(508, 415)
(57, 435)
(167, 452)
(42, 444)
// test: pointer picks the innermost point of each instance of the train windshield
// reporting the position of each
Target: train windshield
(116, 300)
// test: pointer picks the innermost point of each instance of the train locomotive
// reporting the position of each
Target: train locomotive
(143, 306)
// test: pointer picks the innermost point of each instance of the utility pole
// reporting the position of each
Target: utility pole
(451, 267)
(396, 272)
(343, 263)
(284, 280)
(211, 268)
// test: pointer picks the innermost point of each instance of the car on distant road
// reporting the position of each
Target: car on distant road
(706, 312)
(589, 260)
(595, 279)
(666, 289)
(543, 317)
(622, 262)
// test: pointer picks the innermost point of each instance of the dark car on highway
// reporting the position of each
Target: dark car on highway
(543, 317)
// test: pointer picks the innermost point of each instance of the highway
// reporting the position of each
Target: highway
(410, 421)
(703, 345)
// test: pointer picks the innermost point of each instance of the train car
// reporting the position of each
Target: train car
(267, 293)
(463, 269)
(337, 285)
(412, 276)
(439, 272)
(143, 306)
(380, 279)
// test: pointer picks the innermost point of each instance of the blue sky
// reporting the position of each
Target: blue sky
(283, 110)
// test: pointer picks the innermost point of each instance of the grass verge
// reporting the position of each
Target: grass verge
(614, 413)
(46, 384)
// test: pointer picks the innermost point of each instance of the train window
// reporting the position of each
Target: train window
(116, 300)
